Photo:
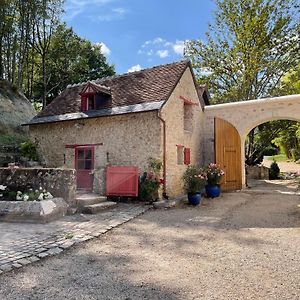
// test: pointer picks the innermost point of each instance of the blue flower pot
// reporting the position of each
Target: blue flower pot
(213, 191)
(194, 199)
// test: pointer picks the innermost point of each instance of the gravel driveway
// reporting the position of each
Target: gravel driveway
(239, 246)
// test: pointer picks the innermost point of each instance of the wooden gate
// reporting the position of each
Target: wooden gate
(122, 181)
(228, 154)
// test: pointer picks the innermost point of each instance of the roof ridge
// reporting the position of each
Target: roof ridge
(186, 60)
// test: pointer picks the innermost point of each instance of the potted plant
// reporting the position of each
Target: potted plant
(194, 182)
(214, 175)
(150, 181)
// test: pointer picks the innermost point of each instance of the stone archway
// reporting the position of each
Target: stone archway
(245, 116)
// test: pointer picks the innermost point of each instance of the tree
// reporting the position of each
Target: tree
(249, 48)
(71, 59)
(47, 13)
(264, 136)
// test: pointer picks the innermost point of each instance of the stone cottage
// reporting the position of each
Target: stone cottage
(123, 120)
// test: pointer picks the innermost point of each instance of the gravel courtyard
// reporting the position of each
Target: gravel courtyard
(239, 246)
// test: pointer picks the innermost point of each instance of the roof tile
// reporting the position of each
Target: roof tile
(149, 85)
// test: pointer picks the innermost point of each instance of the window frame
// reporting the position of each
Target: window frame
(85, 102)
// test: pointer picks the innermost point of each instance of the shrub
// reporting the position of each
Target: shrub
(194, 180)
(270, 151)
(150, 181)
(214, 174)
(28, 150)
(274, 171)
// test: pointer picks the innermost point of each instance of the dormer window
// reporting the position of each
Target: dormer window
(91, 102)
(94, 97)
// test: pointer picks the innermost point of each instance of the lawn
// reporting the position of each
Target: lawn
(278, 158)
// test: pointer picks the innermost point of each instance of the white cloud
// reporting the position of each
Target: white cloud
(104, 49)
(115, 14)
(120, 10)
(162, 53)
(76, 7)
(158, 40)
(178, 47)
(134, 68)
(162, 47)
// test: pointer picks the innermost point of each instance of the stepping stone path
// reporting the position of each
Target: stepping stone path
(23, 244)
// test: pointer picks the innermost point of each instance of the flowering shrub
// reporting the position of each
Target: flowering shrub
(214, 174)
(194, 180)
(150, 180)
(30, 195)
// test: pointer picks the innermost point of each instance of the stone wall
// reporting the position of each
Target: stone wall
(257, 172)
(124, 140)
(173, 113)
(245, 116)
(59, 182)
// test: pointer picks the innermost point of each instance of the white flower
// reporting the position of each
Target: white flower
(44, 191)
(25, 197)
(41, 188)
(48, 196)
(36, 191)
(2, 187)
(1, 195)
(19, 193)
(41, 197)
(18, 197)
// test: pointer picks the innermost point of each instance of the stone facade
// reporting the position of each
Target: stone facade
(129, 140)
(124, 140)
(189, 135)
(59, 182)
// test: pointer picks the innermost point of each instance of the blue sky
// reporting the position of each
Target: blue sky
(139, 33)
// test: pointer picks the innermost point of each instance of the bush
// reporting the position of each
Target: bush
(270, 151)
(274, 171)
(194, 180)
(28, 150)
(150, 181)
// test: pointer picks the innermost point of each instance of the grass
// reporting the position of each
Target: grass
(278, 157)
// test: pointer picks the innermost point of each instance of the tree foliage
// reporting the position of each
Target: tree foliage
(39, 54)
(249, 48)
(71, 59)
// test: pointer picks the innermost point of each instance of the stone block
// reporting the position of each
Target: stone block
(32, 211)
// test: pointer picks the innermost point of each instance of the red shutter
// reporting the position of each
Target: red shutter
(187, 156)
(83, 103)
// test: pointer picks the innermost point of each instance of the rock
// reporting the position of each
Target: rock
(33, 212)
(15, 109)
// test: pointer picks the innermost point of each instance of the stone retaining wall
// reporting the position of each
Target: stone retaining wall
(59, 182)
(257, 172)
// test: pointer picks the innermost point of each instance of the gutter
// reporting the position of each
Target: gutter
(164, 154)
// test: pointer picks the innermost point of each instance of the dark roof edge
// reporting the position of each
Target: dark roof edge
(152, 106)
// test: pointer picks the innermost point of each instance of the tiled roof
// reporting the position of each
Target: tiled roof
(149, 85)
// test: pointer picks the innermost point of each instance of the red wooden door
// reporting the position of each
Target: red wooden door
(84, 163)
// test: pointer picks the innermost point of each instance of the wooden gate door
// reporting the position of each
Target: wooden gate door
(84, 163)
(228, 154)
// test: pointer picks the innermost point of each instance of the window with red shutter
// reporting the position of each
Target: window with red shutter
(187, 156)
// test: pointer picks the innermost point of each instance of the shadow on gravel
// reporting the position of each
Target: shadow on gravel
(92, 276)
